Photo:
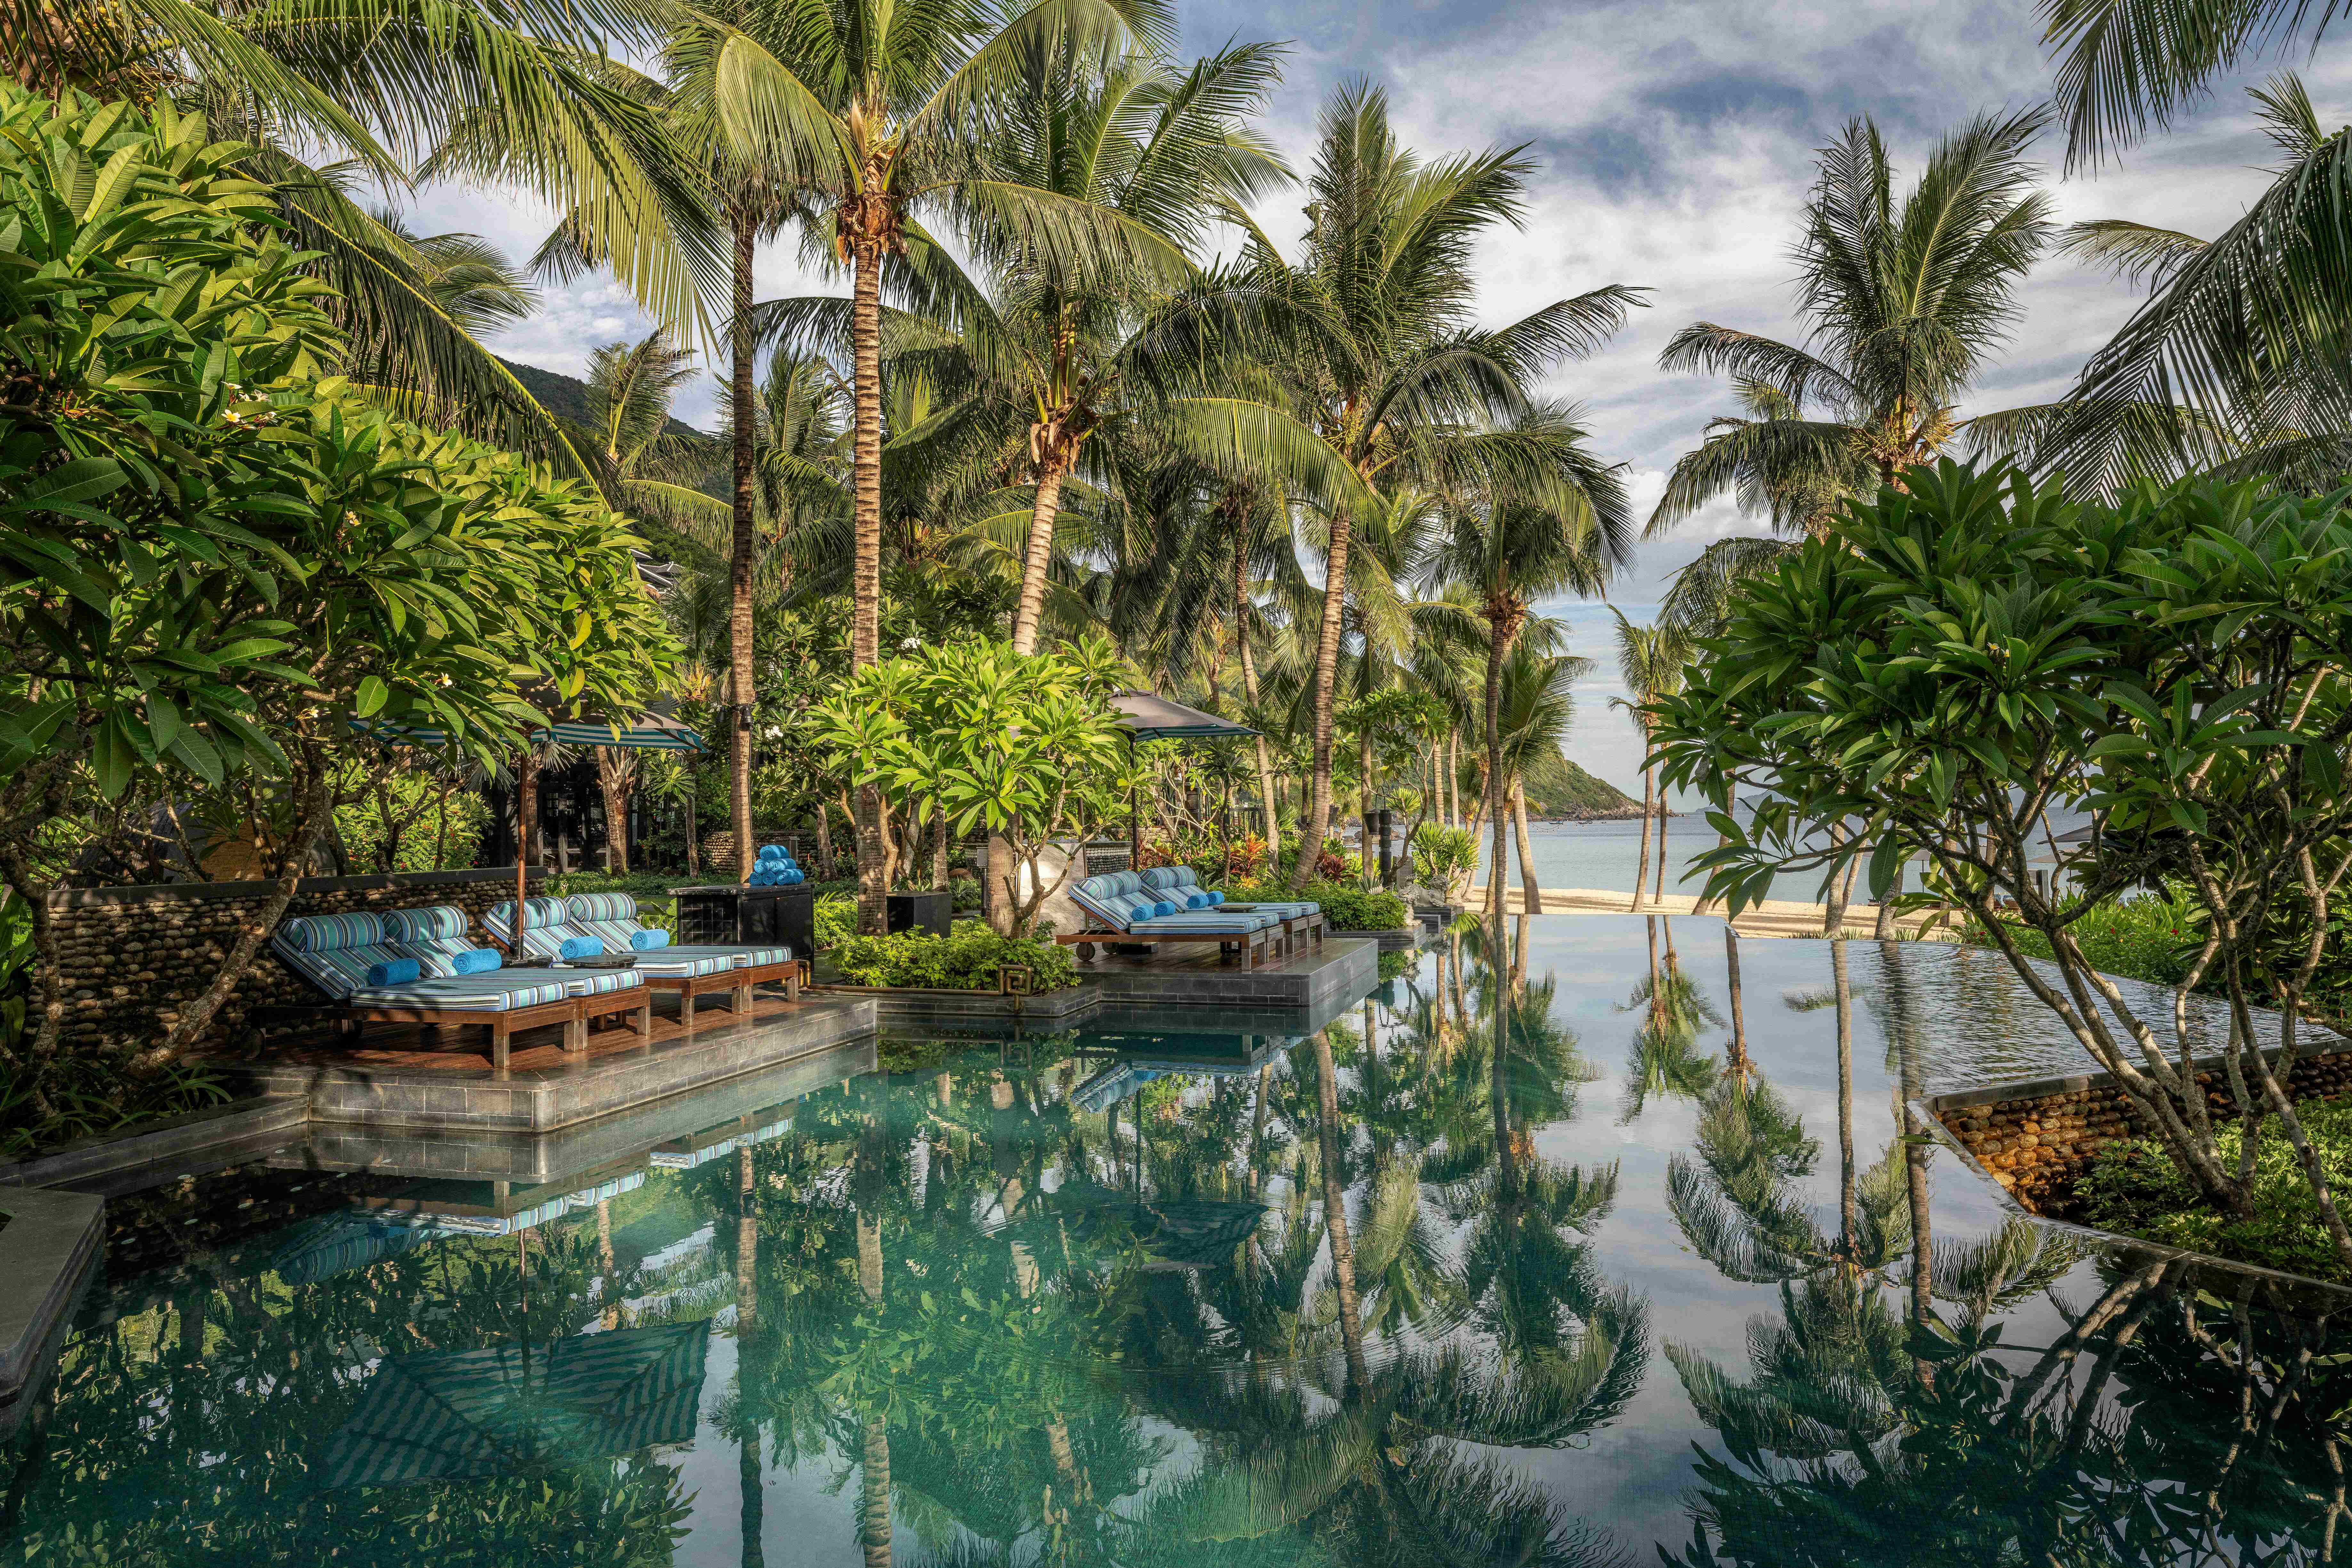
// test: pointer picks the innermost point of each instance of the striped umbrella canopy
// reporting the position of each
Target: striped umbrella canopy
(658, 729)
(467, 1415)
(1147, 716)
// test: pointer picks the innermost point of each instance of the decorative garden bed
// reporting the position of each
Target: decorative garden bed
(2038, 1140)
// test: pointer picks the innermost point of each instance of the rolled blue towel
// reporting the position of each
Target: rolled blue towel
(1216, 899)
(1163, 907)
(775, 852)
(647, 941)
(476, 961)
(1196, 901)
(582, 947)
(393, 971)
(793, 876)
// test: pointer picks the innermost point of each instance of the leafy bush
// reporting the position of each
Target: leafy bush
(1442, 855)
(2135, 1187)
(1346, 907)
(967, 959)
(424, 817)
(2147, 938)
(836, 919)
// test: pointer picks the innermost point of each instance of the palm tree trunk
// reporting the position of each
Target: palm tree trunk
(1249, 689)
(1335, 1214)
(866, 573)
(1327, 673)
(1498, 634)
(1849, 1204)
(1364, 802)
(1834, 912)
(1649, 815)
(744, 413)
(1530, 895)
(1739, 1013)
(1454, 777)
(1658, 893)
(1032, 609)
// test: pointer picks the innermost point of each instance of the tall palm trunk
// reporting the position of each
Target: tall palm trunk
(1498, 635)
(611, 779)
(1364, 802)
(744, 411)
(1327, 674)
(1649, 815)
(866, 485)
(1335, 1214)
(1658, 893)
(1249, 689)
(1849, 1201)
(1738, 1015)
(1531, 894)
(1052, 467)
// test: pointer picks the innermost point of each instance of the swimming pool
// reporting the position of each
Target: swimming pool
(1636, 1257)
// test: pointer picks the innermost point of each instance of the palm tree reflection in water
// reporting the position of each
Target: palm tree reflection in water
(1341, 1300)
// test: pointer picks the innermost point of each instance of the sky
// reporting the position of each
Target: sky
(1674, 143)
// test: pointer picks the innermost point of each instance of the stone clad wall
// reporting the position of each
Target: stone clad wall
(2037, 1145)
(131, 956)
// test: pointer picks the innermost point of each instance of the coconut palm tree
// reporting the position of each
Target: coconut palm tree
(1905, 303)
(1387, 382)
(1510, 547)
(326, 98)
(2235, 365)
(1650, 660)
(1538, 704)
(869, 119)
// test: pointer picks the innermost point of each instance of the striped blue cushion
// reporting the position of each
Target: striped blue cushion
(583, 907)
(437, 954)
(543, 937)
(467, 994)
(601, 982)
(667, 965)
(423, 925)
(326, 933)
(1180, 925)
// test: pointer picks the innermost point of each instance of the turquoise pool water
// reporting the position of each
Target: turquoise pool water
(1639, 1265)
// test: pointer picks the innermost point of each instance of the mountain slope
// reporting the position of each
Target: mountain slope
(566, 396)
(1560, 790)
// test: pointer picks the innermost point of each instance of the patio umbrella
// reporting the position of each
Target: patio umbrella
(467, 1415)
(1147, 716)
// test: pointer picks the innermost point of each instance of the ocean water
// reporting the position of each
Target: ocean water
(1608, 854)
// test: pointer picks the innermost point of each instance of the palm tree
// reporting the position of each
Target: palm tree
(1651, 661)
(2234, 364)
(1533, 717)
(1509, 548)
(1387, 382)
(868, 117)
(516, 95)
(1905, 300)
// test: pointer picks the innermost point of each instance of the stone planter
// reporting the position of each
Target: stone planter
(2033, 1140)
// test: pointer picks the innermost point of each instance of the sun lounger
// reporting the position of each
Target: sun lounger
(1120, 908)
(1177, 883)
(335, 953)
(612, 917)
(687, 973)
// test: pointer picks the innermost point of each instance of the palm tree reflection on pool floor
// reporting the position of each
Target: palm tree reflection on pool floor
(1580, 1245)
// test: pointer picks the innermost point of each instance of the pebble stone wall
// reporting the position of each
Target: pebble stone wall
(2038, 1145)
(132, 956)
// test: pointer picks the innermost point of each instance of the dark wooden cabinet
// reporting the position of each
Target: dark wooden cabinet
(920, 912)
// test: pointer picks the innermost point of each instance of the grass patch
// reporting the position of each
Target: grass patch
(2133, 1187)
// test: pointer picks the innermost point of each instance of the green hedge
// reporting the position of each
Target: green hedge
(1345, 906)
(965, 960)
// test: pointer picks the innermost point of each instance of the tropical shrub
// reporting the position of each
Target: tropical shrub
(1024, 747)
(1959, 654)
(967, 959)
(411, 821)
(1346, 906)
(836, 919)
(214, 563)
(1445, 857)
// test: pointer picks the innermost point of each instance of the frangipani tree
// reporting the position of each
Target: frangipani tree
(1965, 654)
(1026, 748)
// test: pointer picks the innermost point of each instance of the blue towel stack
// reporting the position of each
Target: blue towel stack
(774, 869)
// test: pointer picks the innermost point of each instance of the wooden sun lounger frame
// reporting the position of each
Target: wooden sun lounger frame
(573, 1012)
(1293, 926)
(1247, 943)
(736, 983)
